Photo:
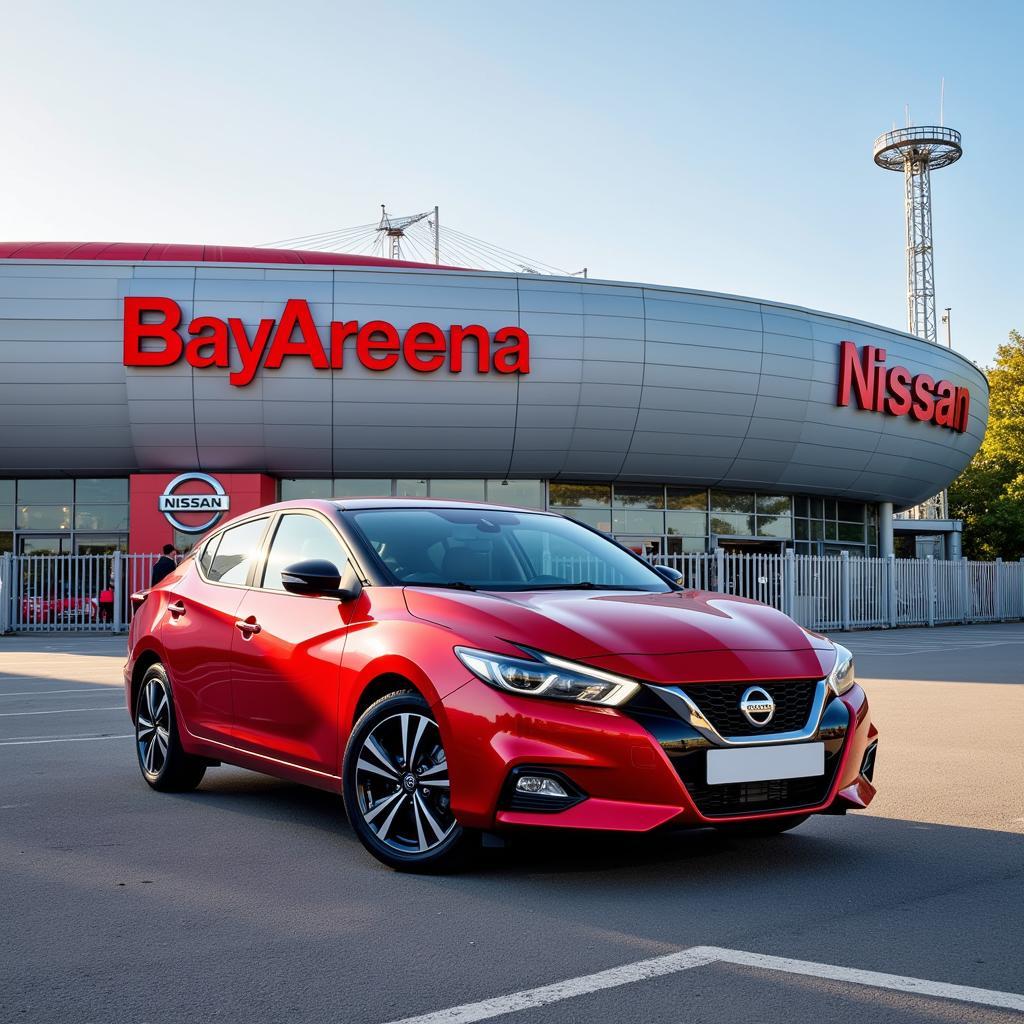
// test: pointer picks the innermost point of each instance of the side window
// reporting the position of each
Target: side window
(236, 552)
(299, 538)
(206, 555)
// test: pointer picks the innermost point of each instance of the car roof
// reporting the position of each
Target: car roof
(359, 504)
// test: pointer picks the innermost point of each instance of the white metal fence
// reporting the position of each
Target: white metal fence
(70, 593)
(92, 592)
(830, 593)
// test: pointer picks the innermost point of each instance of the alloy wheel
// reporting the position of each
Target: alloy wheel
(402, 786)
(153, 727)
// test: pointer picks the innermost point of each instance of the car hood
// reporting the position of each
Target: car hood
(691, 635)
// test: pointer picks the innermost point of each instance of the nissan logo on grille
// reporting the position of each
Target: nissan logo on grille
(757, 706)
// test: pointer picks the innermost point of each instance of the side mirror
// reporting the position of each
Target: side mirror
(670, 574)
(317, 577)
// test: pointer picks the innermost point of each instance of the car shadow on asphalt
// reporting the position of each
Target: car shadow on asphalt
(249, 794)
(238, 791)
(676, 853)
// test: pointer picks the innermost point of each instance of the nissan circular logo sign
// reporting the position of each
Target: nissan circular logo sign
(211, 505)
(757, 706)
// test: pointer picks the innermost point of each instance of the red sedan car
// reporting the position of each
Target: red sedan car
(456, 669)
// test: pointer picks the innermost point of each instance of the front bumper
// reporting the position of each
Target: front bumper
(638, 772)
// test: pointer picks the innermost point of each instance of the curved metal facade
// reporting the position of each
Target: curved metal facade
(628, 383)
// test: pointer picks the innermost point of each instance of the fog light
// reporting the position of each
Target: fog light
(540, 785)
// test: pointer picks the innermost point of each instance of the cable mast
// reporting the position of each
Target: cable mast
(392, 231)
(417, 237)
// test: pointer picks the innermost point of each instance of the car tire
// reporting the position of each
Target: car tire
(396, 788)
(164, 763)
(761, 829)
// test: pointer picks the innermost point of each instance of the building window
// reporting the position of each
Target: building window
(687, 498)
(579, 495)
(830, 526)
(637, 521)
(410, 488)
(643, 496)
(775, 527)
(44, 517)
(774, 505)
(686, 524)
(362, 488)
(101, 517)
(46, 492)
(458, 490)
(726, 501)
(729, 524)
(524, 493)
(292, 490)
(101, 491)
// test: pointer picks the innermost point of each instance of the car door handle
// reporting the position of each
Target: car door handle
(176, 609)
(248, 627)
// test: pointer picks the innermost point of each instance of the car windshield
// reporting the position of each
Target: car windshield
(491, 549)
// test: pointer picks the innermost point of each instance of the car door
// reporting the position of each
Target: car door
(199, 624)
(286, 653)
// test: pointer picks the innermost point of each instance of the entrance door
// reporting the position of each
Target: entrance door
(38, 544)
(46, 584)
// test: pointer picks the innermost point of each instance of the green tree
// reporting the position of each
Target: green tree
(989, 494)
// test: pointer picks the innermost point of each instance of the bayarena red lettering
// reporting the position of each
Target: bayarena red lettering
(895, 391)
(154, 336)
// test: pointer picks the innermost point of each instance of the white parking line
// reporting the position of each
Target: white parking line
(62, 711)
(47, 693)
(643, 970)
(699, 956)
(874, 979)
(65, 739)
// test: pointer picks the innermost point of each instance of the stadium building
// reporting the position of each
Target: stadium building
(148, 391)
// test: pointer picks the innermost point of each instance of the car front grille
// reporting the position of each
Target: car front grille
(720, 705)
(687, 750)
(750, 797)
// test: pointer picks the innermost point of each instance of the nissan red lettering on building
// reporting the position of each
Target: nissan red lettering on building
(894, 390)
(378, 345)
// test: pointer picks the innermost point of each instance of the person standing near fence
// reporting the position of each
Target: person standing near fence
(164, 565)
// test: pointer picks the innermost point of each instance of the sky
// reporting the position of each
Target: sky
(721, 146)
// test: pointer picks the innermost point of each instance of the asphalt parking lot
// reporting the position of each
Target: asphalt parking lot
(251, 900)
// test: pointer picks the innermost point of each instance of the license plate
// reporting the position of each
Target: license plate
(756, 764)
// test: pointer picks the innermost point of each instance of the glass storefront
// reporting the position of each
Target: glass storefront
(526, 493)
(61, 516)
(90, 516)
(650, 518)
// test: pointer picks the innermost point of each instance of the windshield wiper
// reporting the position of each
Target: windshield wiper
(454, 585)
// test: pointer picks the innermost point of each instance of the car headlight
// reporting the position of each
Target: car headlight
(842, 676)
(547, 676)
